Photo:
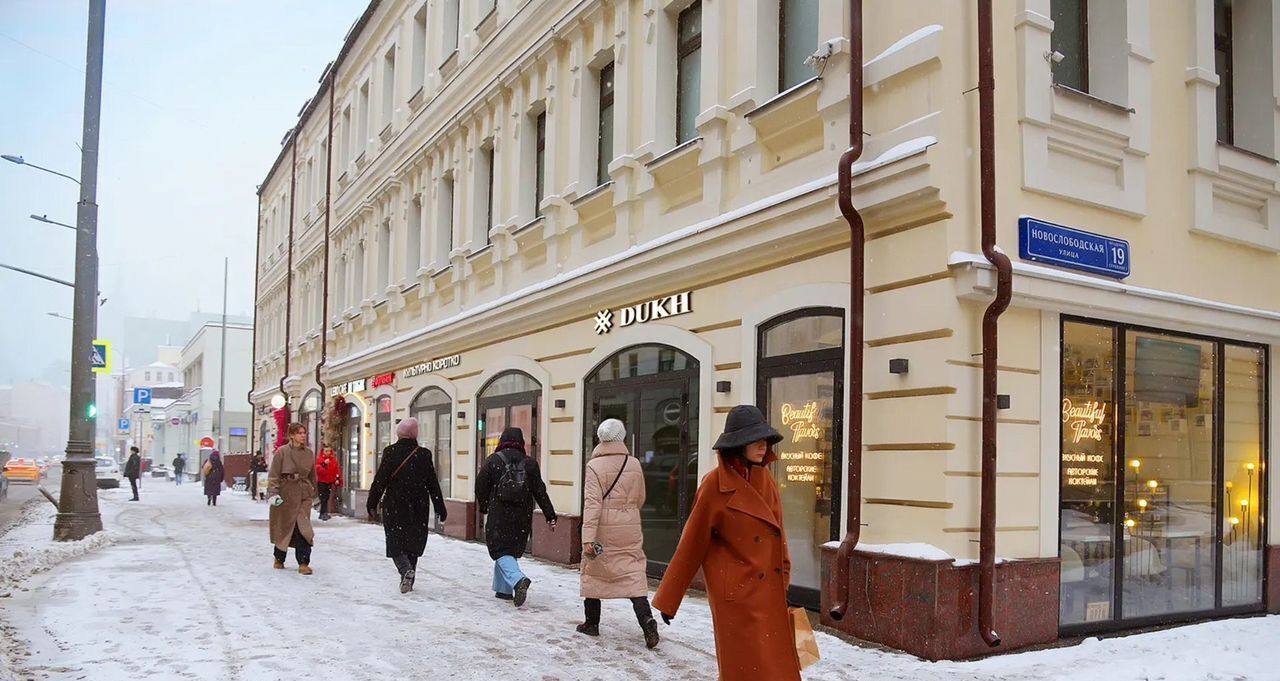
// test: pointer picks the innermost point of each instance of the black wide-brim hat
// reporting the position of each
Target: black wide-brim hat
(746, 424)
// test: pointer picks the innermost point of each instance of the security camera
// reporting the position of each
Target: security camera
(1054, 57)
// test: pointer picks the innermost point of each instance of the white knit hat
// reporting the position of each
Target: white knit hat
(612, 430)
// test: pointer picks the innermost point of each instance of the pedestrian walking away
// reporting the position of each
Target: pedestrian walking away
(507, 487)
(258, 464)
(179, 468)
(329, 477)
(291, 485)
(613, 560)
(734, 534)
(214, 475)
(407, 487)
(133, 470)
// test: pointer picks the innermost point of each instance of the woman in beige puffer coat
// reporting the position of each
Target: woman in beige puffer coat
(613, 560)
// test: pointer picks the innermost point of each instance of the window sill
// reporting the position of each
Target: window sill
(342, 179)
(450, 64)
(794, 92)
(442, 270)
(479, 252)
(675, 153)
(1231, 148)
(529, 225)
(361, 161)
(488, 24)
(405, 288)
(586, 198)
(418, 97)
(1091, 99)
(386, 134)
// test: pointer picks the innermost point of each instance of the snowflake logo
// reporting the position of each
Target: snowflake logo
(604, 321)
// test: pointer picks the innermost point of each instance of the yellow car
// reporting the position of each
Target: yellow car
(22, 469)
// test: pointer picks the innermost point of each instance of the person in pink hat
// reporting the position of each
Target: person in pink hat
(407, 486)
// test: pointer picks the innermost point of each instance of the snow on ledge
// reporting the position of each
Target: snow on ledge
(914, 550)
(905, 42)
(897, 152)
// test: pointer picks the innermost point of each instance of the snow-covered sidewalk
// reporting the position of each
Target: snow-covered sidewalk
(179, 590)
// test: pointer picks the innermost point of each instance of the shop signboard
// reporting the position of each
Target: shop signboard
(648, 311)
(357, 386)
(384, 379)
(1050, 244)
(438, 364)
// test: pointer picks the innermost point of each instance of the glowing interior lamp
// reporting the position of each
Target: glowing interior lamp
(1136, 464)
(1250, 466)
(1130, 522)
(1152, 484)
(1142, 503)
(1235, 520)
(1244, 503)
(1229, 485)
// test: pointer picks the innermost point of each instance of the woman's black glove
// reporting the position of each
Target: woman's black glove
(441, 516)
(666, 619)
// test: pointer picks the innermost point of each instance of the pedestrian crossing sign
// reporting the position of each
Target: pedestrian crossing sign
(100, 357)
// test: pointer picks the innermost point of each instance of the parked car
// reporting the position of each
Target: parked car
(108, 472)
(22, 469)
(160, 471)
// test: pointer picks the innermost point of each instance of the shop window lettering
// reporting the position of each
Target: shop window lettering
(1084, 422)
(803, 421)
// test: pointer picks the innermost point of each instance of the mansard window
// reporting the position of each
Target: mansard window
(688, 72)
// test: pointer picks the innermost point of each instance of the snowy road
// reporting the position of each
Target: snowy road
(178, 590)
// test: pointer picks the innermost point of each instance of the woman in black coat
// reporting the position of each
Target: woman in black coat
(214, 474)
(509, 512)
(407, 485)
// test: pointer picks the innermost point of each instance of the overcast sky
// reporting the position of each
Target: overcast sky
(196, 98)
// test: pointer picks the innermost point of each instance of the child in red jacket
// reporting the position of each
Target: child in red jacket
(328, 476)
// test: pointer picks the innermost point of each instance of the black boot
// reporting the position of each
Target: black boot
(650, 628)
(406, 581)
(501, 596)
(522, 591)
(590, 629)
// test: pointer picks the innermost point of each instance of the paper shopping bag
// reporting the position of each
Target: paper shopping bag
(806, 642)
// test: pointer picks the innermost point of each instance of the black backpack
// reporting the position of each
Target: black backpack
(513, 485)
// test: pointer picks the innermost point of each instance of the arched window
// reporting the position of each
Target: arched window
(434, 411)
(800, 384)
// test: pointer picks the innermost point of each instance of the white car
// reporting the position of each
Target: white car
(108, 472)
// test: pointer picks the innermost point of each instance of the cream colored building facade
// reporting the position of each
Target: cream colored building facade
(483, 258)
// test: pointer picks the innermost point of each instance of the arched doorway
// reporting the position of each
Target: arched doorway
(434, 411)
(653, 390)
(509, 399)
(800, 388)
(351, 451)
(310, 418)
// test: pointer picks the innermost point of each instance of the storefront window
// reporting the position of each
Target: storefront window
(1144, 509)
(801, 373)
(434, 411)
(352, 443)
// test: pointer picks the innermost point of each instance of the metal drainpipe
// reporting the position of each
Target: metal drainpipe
(324, 305)
(853, 508)
(990, 321)
(253, 352)
(288, 281)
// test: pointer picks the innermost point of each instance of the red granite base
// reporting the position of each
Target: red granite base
(461, 523)
(930, 608)
(1273, 579)
(562, 545)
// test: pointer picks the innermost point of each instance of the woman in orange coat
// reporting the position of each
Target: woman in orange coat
(735, 535)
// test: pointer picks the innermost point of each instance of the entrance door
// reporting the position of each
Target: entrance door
(800, 389)
(434, 411)
(653, 391)
(508, 400)
(351, 443)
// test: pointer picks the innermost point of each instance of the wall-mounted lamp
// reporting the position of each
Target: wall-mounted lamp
(560, 404)
(723, 386)
(1003, 401)
(899, 366)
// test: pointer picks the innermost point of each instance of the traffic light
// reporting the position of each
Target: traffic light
(93, 411)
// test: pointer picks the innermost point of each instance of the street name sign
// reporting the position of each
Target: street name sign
(1050, 244)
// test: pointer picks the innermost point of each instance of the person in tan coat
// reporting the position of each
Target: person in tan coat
(613, 560)
(734, 534)
(291, 485)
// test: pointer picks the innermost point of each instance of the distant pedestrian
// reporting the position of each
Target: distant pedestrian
(291, 485)
(258, 464)
(133, 470)
(613, 560)
(407, 486)
(179, 468)
(734, 534)
(507, 486)
(328, 478)
(214, 474)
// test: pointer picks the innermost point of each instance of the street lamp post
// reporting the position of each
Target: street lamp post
(23, 162)
(78, 515)
(45, 219)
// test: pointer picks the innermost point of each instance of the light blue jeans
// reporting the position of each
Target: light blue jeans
(506, 574)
